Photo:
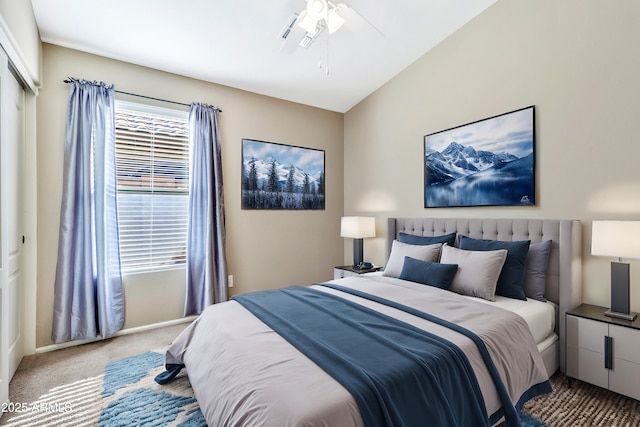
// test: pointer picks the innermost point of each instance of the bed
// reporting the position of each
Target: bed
(415, 352)
(564, 271)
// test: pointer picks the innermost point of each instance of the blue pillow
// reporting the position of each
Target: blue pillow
(412, 239)
(512, 274)
(428, 273)
(534, 282)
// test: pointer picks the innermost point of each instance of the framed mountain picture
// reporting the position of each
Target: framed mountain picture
(490, 162)
(278, 176)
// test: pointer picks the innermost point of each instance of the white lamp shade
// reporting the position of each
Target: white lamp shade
(357, 227)
(617, 239)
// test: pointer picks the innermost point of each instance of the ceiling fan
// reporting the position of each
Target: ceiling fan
(304, 27)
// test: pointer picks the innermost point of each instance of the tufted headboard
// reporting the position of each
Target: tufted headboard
(564, 274)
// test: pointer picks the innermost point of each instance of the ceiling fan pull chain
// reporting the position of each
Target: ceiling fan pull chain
(326, 51)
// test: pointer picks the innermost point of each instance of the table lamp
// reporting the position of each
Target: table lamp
(617, 239)
(357, 228)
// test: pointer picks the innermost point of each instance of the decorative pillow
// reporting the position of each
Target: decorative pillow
(400, 250)
(412, 239)
(478, 271)
(510, 281)
(535, 271)
(428, 273)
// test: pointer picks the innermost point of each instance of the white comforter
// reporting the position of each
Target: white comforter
(245, 374)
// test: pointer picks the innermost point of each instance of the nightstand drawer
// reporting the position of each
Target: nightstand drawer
(351, 271)
(627, 342)
(623, 378)
(585, 333)
(339, 273)
(591, 335)
(591, 368)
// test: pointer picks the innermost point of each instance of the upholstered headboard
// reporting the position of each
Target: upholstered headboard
(564, 274)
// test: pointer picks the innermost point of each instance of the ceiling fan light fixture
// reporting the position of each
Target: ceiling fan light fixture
(307, 23)
(317, 9)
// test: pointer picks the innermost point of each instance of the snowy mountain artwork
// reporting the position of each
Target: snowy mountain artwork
(278, 176)
(485, 163)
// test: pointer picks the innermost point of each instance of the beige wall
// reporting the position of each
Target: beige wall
(575, 60)
(265, 249)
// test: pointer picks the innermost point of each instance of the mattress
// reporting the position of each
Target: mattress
(540, 316)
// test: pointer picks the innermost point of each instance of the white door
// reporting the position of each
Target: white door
(11, 231)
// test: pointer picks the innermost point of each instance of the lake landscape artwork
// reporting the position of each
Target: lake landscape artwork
(490, 162)
(279, 176)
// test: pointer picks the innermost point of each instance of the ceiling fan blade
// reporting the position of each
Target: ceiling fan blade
(356, 22)
(291, 35)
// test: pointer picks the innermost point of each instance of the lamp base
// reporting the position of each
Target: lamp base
(630, 316)
(357, 251)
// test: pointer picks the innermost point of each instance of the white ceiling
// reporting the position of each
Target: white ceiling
(237, 42)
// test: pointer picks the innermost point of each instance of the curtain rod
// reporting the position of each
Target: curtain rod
(149, 97)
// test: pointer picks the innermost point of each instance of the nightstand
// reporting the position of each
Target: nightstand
(350, 271)
(602, 350)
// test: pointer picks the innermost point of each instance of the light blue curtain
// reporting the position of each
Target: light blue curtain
(89, 299)
(206, 259)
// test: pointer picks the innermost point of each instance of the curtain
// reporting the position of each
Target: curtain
(89, 298)
(206, 259)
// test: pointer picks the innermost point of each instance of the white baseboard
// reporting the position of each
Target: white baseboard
(127, 331)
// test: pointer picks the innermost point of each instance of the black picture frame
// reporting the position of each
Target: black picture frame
(282, 177)
(489, 162)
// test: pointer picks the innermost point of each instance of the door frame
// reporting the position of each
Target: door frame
(27, 310)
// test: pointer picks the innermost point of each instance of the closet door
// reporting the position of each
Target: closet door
(11, 230)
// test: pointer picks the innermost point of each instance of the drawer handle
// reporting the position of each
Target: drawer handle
(608, 352)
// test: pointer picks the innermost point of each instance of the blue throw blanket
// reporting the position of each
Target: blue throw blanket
(399, 375)
(509, 411)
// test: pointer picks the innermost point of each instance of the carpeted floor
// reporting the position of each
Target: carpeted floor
(38, 374)
(124, 395)
(583, 405)
(110, 383)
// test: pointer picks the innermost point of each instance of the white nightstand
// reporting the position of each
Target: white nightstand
(350, 271)
(603, 350)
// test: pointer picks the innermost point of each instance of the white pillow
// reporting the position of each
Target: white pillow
(478, 271)
(400, 250)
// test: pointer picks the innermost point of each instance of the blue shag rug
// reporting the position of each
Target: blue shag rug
(126, 395)
(529, 421)
(135, 399)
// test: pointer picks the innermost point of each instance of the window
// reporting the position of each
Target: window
(152, 163)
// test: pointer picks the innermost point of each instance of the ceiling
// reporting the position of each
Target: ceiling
(238, 43)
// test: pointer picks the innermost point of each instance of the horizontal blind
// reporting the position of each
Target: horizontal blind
(152, 161)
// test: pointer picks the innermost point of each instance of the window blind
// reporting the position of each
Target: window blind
(152, 163)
